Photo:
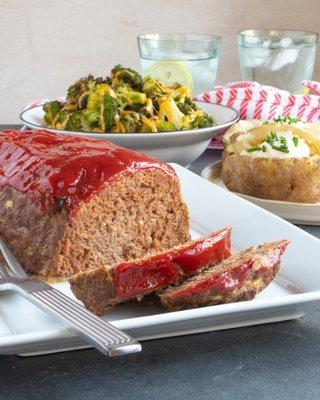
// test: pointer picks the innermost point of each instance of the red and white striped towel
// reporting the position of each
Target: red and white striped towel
(253, 100)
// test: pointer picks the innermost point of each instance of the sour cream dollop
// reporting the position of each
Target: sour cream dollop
(297, 148)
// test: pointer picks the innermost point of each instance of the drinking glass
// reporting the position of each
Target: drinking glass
(280, 58)
(189, 59)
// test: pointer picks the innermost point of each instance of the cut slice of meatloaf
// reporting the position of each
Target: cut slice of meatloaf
(100, 288)
(239, 277)
(69, 204)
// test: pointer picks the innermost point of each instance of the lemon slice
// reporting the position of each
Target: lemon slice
(170, 72)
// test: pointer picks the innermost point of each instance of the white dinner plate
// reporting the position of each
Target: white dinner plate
(181, 147)
(26, 330)
(297, 213)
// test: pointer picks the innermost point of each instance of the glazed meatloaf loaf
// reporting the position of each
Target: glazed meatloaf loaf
(68, 204)
(106, 286)
(239, 277)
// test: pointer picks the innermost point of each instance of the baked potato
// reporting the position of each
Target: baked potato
(273, 160)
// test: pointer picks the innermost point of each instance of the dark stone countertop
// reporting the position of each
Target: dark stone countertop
(275, 361)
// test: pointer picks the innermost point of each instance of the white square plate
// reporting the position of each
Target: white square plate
(24, 329)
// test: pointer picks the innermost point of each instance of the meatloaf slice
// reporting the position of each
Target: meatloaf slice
(68, 204)
(239, 277)
(100, 288)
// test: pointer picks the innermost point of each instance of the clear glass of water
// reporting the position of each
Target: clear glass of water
(280, 58)
(186, 58)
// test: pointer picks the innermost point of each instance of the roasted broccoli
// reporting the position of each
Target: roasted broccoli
(124, 77)
(148, 125)
(101, 108)
(188, 106)
(128, 98)
(108, 112)
(170, 112)
(78, 88)
(130, 121)
(51, 109)
(124, 102)
(164, 126)
(155, 89)
(202, 121)
(74, 121)
(181, 93)
(61, 119)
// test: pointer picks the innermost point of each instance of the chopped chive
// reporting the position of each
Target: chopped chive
(268, 140)
(265, 123)
(286, 119)
(254, 149)
(295, 140)
(283, 141)
(263, 148)
(283, 149)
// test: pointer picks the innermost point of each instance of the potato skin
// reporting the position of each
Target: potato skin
(287, 179)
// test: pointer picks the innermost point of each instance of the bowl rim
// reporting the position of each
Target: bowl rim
(109, 136)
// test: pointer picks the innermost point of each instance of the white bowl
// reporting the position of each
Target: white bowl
(181, 147)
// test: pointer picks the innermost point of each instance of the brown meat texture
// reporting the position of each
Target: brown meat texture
(97, 288)
(261, 265)
(138, 214)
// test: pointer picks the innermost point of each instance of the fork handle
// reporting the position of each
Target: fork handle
(100, 334)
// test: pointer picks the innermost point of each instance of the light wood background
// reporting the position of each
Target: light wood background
(47, 44)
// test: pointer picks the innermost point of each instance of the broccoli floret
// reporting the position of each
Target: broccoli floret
(128, 98)
(130, 121)
(148, 109)
(202, 121)
(187, 106)
(170, 112)
(51, 109)
(74, 122)
(121, 76)
(61, 119)
(108, 111)
(79, 87)
(181, 93)
(164, 126)
(155, 89)
(148, 126)
(83, 101)
(101, 108)
(84, 86)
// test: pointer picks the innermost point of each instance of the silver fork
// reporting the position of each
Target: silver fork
(103, 336)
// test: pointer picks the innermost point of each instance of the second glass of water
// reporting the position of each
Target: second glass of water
(189, 59)
(280, 58)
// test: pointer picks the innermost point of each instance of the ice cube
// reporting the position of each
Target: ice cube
(286, 42)
(266, 43)
(283, 58)
(252, 40)
(254, 57)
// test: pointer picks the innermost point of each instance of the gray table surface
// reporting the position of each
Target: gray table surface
(273, 361)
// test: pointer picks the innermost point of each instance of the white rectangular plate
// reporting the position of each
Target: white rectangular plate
(24, 329)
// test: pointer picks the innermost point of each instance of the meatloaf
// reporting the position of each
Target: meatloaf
(240, 277)
(105, 286)
(69, 204)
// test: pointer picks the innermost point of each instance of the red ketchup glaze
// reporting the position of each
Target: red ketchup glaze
(65, 170)
(224, 282)
(201, 253)
(140, 277)
(231, 279)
